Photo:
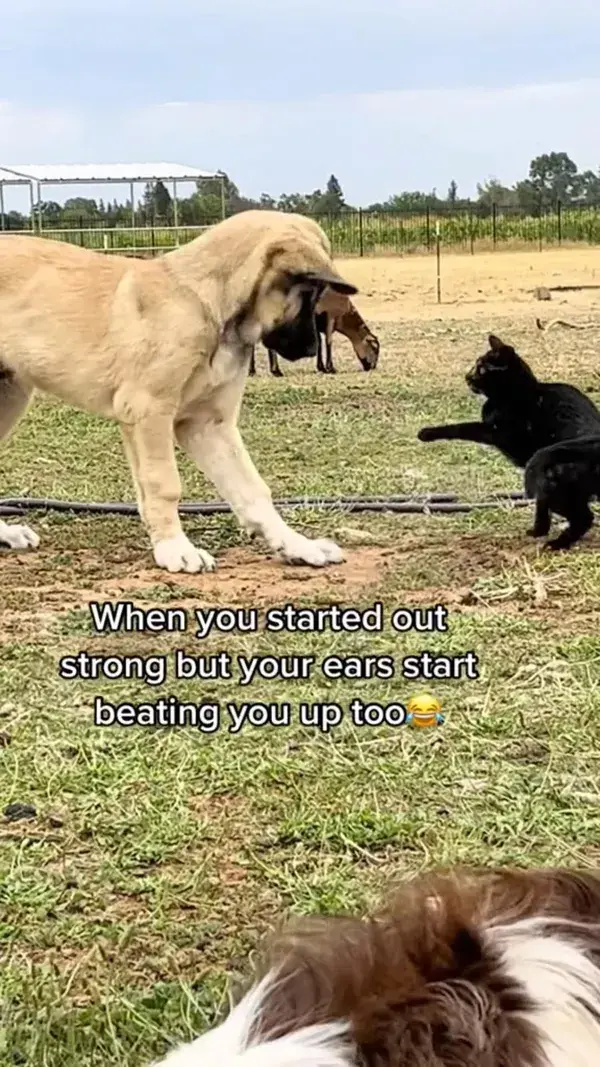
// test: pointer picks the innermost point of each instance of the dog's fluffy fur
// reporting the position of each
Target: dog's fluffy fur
(484, 968)
(164, 348)
(563, 479)
(522, 415)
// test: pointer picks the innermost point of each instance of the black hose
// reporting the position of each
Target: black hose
(439, 503)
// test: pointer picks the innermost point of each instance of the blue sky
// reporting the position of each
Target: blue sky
(386, 94)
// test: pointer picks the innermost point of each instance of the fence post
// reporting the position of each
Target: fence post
(494, 232)
(540, 232)
(428, 223)
(438, 256)
(471, 239)
(559, 220)
(81, 240)
(361, 248)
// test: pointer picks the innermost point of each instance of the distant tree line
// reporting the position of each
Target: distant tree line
(553, 178)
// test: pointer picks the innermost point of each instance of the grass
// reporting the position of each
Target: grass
(385, 232)
(157, 857)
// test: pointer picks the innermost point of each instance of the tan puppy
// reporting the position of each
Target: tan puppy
(163, 346)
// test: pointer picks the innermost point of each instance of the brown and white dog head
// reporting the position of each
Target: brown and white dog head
(475, 969)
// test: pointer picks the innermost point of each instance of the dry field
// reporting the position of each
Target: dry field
(152, 860)
(483, 286)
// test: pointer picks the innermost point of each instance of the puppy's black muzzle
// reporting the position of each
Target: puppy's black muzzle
(292, 342)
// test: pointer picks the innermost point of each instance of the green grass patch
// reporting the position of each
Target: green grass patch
(156, 858)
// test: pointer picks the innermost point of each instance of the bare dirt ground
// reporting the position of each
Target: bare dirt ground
(482, 285)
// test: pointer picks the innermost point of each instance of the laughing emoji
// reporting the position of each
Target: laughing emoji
(424, 710)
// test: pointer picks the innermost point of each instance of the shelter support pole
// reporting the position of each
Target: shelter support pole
(132, 195)
(2, 219)
(175, 214)
(32, 206)
(39, 205)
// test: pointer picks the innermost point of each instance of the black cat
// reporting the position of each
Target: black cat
(522, 415)
(563, 479)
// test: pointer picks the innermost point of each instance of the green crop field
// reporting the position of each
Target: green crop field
(380, 233)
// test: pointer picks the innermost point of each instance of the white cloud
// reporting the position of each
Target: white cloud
(376, 143)
(36, 131)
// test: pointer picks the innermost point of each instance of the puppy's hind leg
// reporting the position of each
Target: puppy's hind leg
(541, 522)
(14, 399)
(580, 518)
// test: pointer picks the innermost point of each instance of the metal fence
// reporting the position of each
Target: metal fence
(468, 227)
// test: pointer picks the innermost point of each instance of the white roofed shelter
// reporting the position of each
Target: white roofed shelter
(40, 176)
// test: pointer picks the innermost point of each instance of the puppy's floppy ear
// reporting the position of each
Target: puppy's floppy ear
(495, 343)
(322, 279)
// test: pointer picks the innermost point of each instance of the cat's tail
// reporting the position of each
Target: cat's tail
(573, 463)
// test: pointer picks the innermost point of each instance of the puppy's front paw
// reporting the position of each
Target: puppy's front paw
(318, 553)
(179, 554)
(427, 433)
(18, 536)
(557, 545)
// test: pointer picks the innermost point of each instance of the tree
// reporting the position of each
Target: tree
(14, 220)
(156, 202)
(51, 212)
(147, 208)
(162, 200)
(292, 202)
(331, 202)
(80, 207)
(408, 201)
(452, 192)
(529, 199)
(206, 205)
(494, 192)
(553, 177)
(589, 187)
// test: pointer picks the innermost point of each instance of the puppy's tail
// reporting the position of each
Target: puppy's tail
(573, 463)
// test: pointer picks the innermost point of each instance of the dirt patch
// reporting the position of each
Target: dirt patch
(467, 572)
(243, 577)
(489, 283)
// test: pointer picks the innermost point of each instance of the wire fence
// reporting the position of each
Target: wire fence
(470, 228)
